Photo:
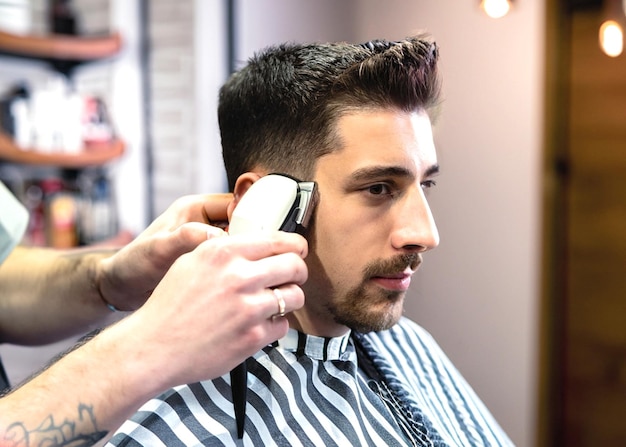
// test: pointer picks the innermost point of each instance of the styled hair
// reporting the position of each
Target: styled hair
(280, 111)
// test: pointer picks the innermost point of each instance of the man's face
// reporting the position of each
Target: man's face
(371, 224)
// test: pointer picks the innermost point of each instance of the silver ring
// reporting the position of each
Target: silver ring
(278, 294)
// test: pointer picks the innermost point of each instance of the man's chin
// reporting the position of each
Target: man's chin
(373, 323)
(370, 310)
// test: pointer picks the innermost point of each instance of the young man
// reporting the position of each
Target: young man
(356, 119)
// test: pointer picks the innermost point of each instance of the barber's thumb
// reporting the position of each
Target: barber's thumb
(193, 234)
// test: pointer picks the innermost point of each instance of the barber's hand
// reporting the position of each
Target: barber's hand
(127, 279)
(215, 306)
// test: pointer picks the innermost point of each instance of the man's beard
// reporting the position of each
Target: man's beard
(360, 308)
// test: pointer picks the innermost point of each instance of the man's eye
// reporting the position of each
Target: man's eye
(379, 189)
(427, 184)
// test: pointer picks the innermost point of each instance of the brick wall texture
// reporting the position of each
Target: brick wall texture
(172, 127)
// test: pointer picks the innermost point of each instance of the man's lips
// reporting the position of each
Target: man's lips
(397, 282)
(395, 274)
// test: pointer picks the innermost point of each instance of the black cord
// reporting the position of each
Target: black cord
(239, 389)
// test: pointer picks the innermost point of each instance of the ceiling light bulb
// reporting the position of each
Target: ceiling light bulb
(611, 38)
(496, 8)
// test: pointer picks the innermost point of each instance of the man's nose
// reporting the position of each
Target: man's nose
(415, 226)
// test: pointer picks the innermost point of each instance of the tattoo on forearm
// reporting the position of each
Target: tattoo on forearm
(82, 432)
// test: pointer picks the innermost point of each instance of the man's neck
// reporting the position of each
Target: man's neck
(307, 323)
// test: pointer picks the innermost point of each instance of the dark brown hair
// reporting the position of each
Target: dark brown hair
(279, 112)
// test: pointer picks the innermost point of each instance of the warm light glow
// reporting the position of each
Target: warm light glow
(496, 8)
(611, 38)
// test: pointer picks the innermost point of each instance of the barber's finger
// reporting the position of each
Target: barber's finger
(279, 301)
(214, 231)
(215, 208)
(189, 235)
(285, 268)
(255, 246)
(203, 208)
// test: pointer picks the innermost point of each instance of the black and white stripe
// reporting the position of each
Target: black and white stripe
(310, 391)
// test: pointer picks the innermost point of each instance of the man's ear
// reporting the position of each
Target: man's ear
(244, 181)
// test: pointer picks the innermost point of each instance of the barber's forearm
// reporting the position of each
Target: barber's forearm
(48, 295)
(85, 396)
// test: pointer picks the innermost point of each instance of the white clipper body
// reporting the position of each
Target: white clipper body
(274, 202)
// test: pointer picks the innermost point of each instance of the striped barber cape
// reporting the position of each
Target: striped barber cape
(389, 388)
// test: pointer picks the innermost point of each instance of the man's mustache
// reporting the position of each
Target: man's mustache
(395, 265)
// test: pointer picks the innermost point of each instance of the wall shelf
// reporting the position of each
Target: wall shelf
(93, 154)
(73, 172)
(58, 48)
(63, 52)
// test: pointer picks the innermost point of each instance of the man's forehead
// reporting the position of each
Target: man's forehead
(382, 142)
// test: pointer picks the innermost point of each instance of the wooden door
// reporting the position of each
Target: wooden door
(593, 372)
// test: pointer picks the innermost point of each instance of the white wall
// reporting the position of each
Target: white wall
(274, 21)
(478, 292)
(211, 71)
(126, 107)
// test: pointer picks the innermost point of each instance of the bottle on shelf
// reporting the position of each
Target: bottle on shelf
(98, 216)
(61, 213)
(73, 202)
(62, 17)
(51, 118)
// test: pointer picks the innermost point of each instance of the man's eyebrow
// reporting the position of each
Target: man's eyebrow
(389, 171)
(370, 172)
(432, 170)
